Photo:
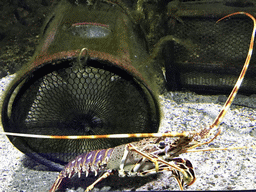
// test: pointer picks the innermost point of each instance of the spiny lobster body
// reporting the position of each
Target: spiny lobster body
(125, 160)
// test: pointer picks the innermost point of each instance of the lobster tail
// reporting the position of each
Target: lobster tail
(93, 161)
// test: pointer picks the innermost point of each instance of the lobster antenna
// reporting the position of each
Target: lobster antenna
(218, 149)
(214, 125)
(239, 81)
(113, 136)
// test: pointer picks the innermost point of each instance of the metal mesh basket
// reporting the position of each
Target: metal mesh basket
(56, 93)
(69, 100)
(208, 56)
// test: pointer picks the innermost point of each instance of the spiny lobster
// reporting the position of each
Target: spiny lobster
(150, 155)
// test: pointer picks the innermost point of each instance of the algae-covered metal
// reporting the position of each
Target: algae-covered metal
(91, 74)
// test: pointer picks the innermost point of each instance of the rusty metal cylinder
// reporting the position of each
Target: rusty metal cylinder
(90, 75)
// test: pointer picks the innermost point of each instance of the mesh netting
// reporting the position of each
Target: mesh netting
(80, 101)
(226, 42)
(210, 54)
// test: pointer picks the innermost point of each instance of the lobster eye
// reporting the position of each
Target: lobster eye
(161, 144)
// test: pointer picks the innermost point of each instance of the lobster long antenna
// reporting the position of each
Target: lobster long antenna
(115, 136)
(239, 81)
(220, 149)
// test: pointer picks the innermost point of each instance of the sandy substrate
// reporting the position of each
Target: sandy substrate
(215, 170)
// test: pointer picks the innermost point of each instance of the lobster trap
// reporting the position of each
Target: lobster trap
(205, 56)
(89, 76)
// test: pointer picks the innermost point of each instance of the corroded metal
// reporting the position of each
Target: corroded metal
(110, 88)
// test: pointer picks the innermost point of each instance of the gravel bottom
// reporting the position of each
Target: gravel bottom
(215, 170)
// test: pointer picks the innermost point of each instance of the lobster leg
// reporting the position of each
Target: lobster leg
(57, 182)
(178, 179)
(148, 156)
(104, 176)
(156, 160)
(183, 164)
(175, 173)
(124, 158)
